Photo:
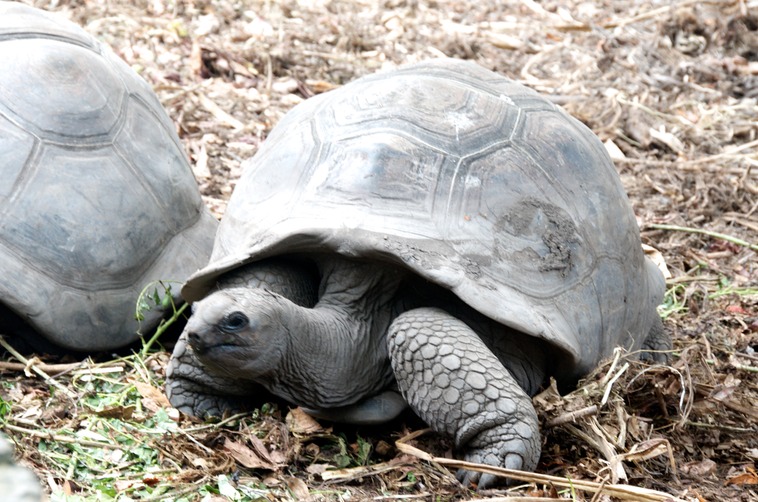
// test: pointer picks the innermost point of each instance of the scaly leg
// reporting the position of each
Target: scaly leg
(459, 387)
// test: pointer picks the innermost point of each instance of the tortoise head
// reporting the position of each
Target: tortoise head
(238, 332)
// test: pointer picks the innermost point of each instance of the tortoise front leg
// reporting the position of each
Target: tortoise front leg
(457, 385)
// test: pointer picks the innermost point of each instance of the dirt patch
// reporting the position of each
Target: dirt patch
(670, 89)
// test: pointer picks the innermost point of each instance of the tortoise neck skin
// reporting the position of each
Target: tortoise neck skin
(337, 353)
(328, 356)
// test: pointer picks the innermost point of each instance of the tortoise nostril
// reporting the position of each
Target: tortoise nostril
(195, 341)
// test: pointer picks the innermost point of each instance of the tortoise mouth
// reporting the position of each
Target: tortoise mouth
(206, 347)
(213, 350)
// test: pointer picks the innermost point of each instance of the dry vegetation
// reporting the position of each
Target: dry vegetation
(671, 87)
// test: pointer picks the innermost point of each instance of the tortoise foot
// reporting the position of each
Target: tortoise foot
(459, 387)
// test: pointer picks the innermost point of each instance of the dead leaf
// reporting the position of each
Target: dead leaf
(196, 60)
(736, 309)
(151, 480)
(298, 488)
(153, 399)
(317, 468)
(200, 463)
(746, 478)
(667, 138)
(299, 422)
(726, 389)
(118, 412)
(699, 470)
(550, 399)
(276, 457)
(123, 485)
(613, 150)
(319, 86)
(647, 450)
(657, 258)
(247, 457)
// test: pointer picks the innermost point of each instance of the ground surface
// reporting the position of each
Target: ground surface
(671, 87)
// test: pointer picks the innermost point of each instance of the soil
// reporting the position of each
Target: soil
(669, 87)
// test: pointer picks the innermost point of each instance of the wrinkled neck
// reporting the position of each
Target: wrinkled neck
(337, 350)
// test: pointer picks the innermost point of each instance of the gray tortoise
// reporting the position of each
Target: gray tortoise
(437, 230)
(97, 198)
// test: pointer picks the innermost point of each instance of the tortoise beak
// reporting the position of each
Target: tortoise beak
(204, 341)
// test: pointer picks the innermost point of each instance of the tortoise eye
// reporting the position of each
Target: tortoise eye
(233, 322)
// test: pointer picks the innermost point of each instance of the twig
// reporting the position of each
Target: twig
(572, 416)
(625, 492)
(173, 494)
(162, 327)
(609, 386)
(720, 427)
(215, 425)
(220, 115)
(358, 472)
(728, 153)
(744, 367)
(752, 413)
(657, 13)
(596, 438)
(50, 369)
(715, 235)
(47, 378)
(514, 498)
(62, 439)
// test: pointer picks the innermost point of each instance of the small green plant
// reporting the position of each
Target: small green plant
(354, 455)
(5, 409)
(363, 453)
(726, 289)
(157, 295)
(674, 301)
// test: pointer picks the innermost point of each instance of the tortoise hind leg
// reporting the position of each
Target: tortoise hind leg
(459, 387)
(657, 345)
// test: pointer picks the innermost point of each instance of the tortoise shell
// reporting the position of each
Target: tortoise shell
(466, 178)
(97, 198)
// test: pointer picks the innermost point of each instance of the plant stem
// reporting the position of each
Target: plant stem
(715, 235)
(33, 367)
(162, 327)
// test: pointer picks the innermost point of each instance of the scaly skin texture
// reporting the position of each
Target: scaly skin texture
(194, 391)
(457, 385)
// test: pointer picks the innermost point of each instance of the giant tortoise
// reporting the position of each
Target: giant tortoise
(438, 231)
(97, 199)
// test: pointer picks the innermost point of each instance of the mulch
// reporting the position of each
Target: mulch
(670, 88)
